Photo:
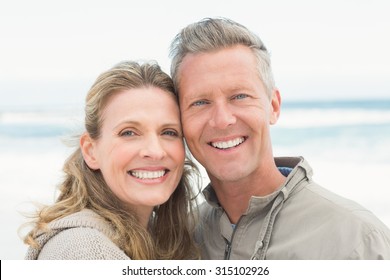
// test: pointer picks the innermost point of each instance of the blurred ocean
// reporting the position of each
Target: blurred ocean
(346, 142)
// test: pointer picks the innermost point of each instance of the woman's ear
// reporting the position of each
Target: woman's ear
(276, 103)
(87, 146)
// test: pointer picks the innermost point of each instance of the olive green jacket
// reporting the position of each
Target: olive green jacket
(301, 220)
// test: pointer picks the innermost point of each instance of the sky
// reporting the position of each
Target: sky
(52, 51)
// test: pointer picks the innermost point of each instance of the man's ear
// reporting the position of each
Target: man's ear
(87, 146)
(276, 103)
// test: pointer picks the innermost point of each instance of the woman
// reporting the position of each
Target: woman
(126, 193)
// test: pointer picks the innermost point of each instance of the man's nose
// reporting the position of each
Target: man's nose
(222, 116)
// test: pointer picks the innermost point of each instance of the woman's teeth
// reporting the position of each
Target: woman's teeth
(147, 174)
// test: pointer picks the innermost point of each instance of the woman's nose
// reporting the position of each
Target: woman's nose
(152, 148)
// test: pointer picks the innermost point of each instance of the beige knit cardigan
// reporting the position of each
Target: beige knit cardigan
(80, 236)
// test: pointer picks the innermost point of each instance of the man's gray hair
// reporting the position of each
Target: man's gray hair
(212, 34)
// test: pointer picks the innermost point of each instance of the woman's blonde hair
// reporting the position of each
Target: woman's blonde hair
(170, 231)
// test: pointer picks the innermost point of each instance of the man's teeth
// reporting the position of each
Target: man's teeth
(147, 174)
(228, 144)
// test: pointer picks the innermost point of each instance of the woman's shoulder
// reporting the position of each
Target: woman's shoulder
(81, 243)
(83, 218)
(81, 235)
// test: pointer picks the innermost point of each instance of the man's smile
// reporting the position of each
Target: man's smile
(223, 145)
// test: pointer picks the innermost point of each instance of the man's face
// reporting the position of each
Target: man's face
(226, 112)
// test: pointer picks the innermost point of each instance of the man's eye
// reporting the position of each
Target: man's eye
(240, 96)
(199, 103)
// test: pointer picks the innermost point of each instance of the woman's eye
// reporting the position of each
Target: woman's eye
(127, 133)
(171, 133)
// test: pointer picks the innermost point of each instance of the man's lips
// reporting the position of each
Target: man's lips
(223, 145)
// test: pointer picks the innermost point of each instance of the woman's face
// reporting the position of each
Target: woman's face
(140, 151)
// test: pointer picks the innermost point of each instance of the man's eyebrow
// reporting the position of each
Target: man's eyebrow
(194, 97)
(206, 95)
(240, 87)
(199, 94)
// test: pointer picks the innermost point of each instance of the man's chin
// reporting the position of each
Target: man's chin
(228, 174)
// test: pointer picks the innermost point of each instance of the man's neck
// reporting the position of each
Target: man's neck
(235, 196)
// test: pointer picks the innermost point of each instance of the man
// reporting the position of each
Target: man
(258, 206)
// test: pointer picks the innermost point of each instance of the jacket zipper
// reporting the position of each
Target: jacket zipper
(228, 249)
(228, 246)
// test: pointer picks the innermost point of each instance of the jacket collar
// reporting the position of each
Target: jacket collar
(301, 171)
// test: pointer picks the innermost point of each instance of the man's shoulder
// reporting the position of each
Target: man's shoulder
(316, 202)
(317, 196)
(316, 223)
